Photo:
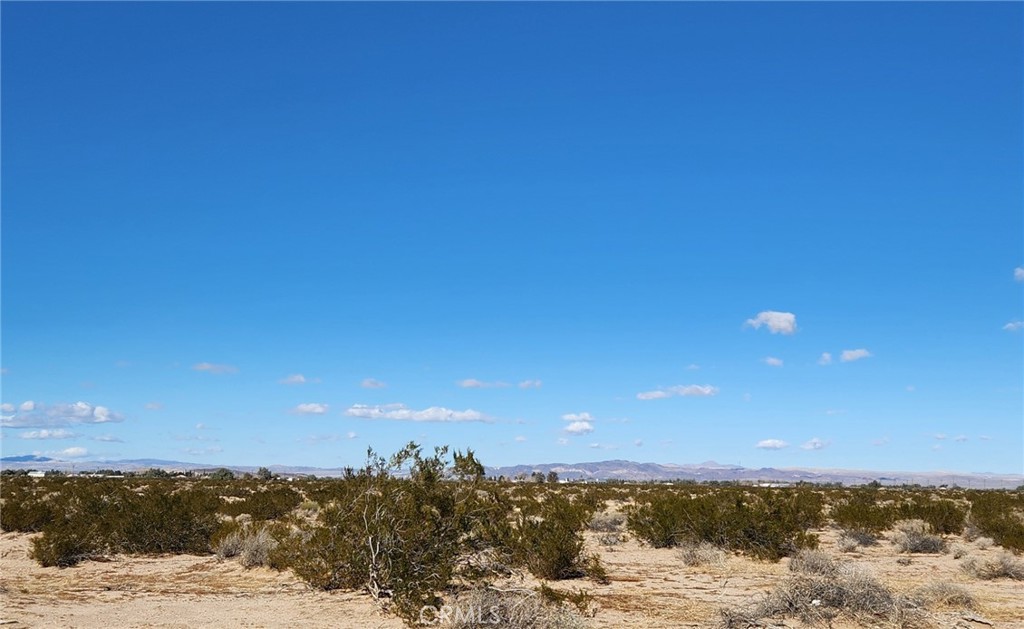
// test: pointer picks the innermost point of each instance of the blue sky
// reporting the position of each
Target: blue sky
(281, 233)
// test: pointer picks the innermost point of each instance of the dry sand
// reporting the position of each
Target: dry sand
(649, 588)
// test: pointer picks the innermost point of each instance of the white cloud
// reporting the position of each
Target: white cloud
(200, 426)
(402, 413)
(108, 439)
(603, 446)
(573, 417)
(310, 408)
(960, 438)
(692, 367)
(776, 322)
(74, 452)
(473, 383)
(1014, 326)
(985, 438)
(850, 355)
(771, 444)
(215, 368)
(1018, 274)
(351, 435)
(520, 439)
(638, 442)
(56, 433)
(37, 415)
(579, 428)
(940, 436)
(7, 407)
(771, 361)
(814, 444)
(372, 383)
(153, 406)
(937, 447)
(685, 390)
(562, 441)
(825, 359)
(295, 378)
(530, 384)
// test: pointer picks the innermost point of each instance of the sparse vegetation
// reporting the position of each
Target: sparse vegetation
(1003, 566)
(915, 536)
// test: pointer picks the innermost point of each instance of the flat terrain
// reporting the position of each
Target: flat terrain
(649, 588)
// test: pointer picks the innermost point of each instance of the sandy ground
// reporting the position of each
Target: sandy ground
(649, 588)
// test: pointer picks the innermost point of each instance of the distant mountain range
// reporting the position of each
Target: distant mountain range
(596, 471)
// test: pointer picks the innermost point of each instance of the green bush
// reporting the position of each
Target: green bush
(268, 504)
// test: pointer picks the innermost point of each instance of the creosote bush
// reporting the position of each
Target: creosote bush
(765, 524)
(508, 608)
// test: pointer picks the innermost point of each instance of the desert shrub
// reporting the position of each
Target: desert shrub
(23, 508)
(514, 609)
(399, 539)
(701, 554)
(944, 517)
(228, 543)
(1003, 566)
(610, 540)
(944, 594)
(606, 522)
(862, 511)
(550, 544)
(820, 599)
(999, 515)
(101, 518)
(984, 543)
(768, 525)
(268, 504)
(813, 562)
(914, 536)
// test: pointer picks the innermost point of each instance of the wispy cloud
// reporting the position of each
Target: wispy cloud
(771, 444)
(520, 439)
(684, 390)
(31, 414)
(825, 359)
(602, 446)
(203, 451)
(850, 355)
(473, 383)
(108, 439)
(814, 444)
(153, 406)
(402, 413)
(372, 383)
(310, 408)
(776, 322)
(940, 436)
(530, 384)
(74, 452)
(215, 368)
(45, 433)
(638, 442)
(1018, 274)
(771, 361)
(880, 441)
(960, 438)
(295, 378)
(1014, 326)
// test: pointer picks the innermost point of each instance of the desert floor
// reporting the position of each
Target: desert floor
(649, 588)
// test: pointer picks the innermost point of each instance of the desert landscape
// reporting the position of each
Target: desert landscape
(539, 553)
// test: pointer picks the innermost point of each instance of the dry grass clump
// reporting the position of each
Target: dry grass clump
(702, 554)
(252, 545)
(944, 594)
(984, 543)
(607, 522)
(817, 599)
(914, 536)
(851, 539)
(610, 540)
(1003, 566)
(959, 551)
(813, 562)
(514, 609)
